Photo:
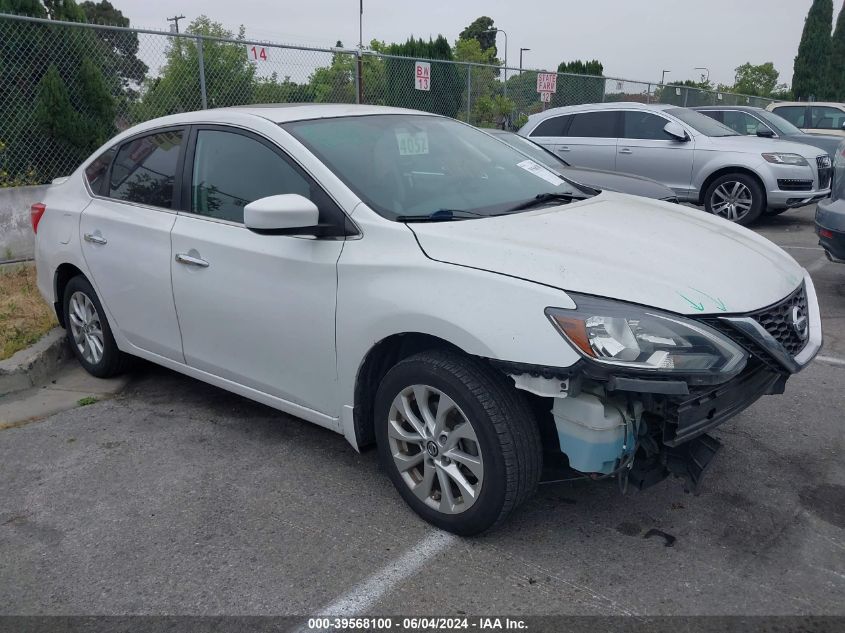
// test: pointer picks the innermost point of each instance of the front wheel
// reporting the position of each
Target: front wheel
(458, 441)
(735, 197)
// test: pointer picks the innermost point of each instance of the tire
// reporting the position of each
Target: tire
(727, 196)
(88, 331)
(503, 437)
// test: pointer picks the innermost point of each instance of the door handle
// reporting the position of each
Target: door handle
(190, 260)
(626, 150)
(563, 148)
(95, 238)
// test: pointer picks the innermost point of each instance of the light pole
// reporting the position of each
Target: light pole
(521, 50)
(707, 70)
(505, 89)
(663, 77)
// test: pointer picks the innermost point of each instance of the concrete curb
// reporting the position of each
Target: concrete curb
(34, 365)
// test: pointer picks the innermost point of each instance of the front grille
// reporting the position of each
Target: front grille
(793, 184)
(824, 165)
(778, 320)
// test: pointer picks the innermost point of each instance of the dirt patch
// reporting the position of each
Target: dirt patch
(24, 315)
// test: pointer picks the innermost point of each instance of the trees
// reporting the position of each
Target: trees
(482, 30)
(120, 47)
(229, 76)
(573, 90)
(55, 104)
(758, 81)
(836, 73)
(812, 64)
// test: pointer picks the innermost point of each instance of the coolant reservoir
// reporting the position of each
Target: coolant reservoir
(591, 433)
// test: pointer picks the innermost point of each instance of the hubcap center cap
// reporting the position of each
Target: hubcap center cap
(431, 449)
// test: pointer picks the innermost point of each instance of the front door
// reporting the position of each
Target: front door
(646, 150)
(125, 237)
(590, 140)
(258, 310)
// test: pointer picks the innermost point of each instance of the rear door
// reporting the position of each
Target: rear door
(827, 120)
(590, 140)
(646, 150)
(125, 237)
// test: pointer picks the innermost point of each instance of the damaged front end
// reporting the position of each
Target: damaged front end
(651, 385)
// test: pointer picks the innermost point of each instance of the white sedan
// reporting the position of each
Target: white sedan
(407, 280)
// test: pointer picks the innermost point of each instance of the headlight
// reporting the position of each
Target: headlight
(615, 333)
(786, 159)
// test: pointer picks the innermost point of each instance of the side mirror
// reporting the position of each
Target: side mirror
(676, 131)
(287, 214)
(765, 132)
(843, 125)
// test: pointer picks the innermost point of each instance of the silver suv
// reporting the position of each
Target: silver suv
(736, 177)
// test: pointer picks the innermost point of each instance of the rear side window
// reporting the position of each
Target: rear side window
(644, 125)
(793, 114)
(594, 124)
(144, 169)
(96, 172)
(827, 118)
(555, 126)
(716, 115)
(231, 170)
(743, 122)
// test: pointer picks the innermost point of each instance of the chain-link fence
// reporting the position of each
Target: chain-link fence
(65, 88)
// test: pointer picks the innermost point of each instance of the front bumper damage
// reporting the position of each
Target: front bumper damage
(642, 429)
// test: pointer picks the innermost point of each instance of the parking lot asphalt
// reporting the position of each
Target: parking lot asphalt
(179, 498)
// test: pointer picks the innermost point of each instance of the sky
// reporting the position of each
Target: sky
(634, 39)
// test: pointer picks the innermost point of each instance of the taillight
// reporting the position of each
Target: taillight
(826, 234)
(35, 213)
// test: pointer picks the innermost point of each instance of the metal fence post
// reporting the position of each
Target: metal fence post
(648, 94)
(469, 92)
(201, 62)
(359, 79)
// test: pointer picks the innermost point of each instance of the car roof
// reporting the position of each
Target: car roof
(613, 105)
(834, 104)
(741, 108)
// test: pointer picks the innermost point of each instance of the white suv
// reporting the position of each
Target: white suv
(407, 280)
(734, 176)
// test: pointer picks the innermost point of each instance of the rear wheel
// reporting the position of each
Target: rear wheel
(458, 441)
(88, 331)
(735, 197)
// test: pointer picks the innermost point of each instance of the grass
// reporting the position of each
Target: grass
(24, 316)
(84, 402)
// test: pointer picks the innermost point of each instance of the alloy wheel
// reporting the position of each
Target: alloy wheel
(731, 200)
(86, 328)
(435, 449)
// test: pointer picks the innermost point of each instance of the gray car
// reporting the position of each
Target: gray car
(830, 214)
(753, 121)
(733, 176)
(594, 178)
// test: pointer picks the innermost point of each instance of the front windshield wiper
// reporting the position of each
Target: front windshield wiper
(543, 198)
(441, 215)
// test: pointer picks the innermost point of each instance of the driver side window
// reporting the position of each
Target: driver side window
(230, 170)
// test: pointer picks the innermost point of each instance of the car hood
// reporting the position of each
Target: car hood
(624, 247)
(622, 183)
(825, 142)
(758, 145)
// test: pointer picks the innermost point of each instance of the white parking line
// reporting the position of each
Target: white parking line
(803, 248)
(369, 592)
(831, 360)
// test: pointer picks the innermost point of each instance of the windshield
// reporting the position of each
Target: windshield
(781, 125)
(417, 165)
(532, 149)
(701, 123)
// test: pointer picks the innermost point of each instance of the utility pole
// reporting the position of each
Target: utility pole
(360, 62)
(174, 28)
(663, 77)
(705, 69)
(521, 50)
(497, 31)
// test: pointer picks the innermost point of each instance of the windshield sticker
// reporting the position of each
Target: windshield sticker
(540, 171)
(412, 144)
